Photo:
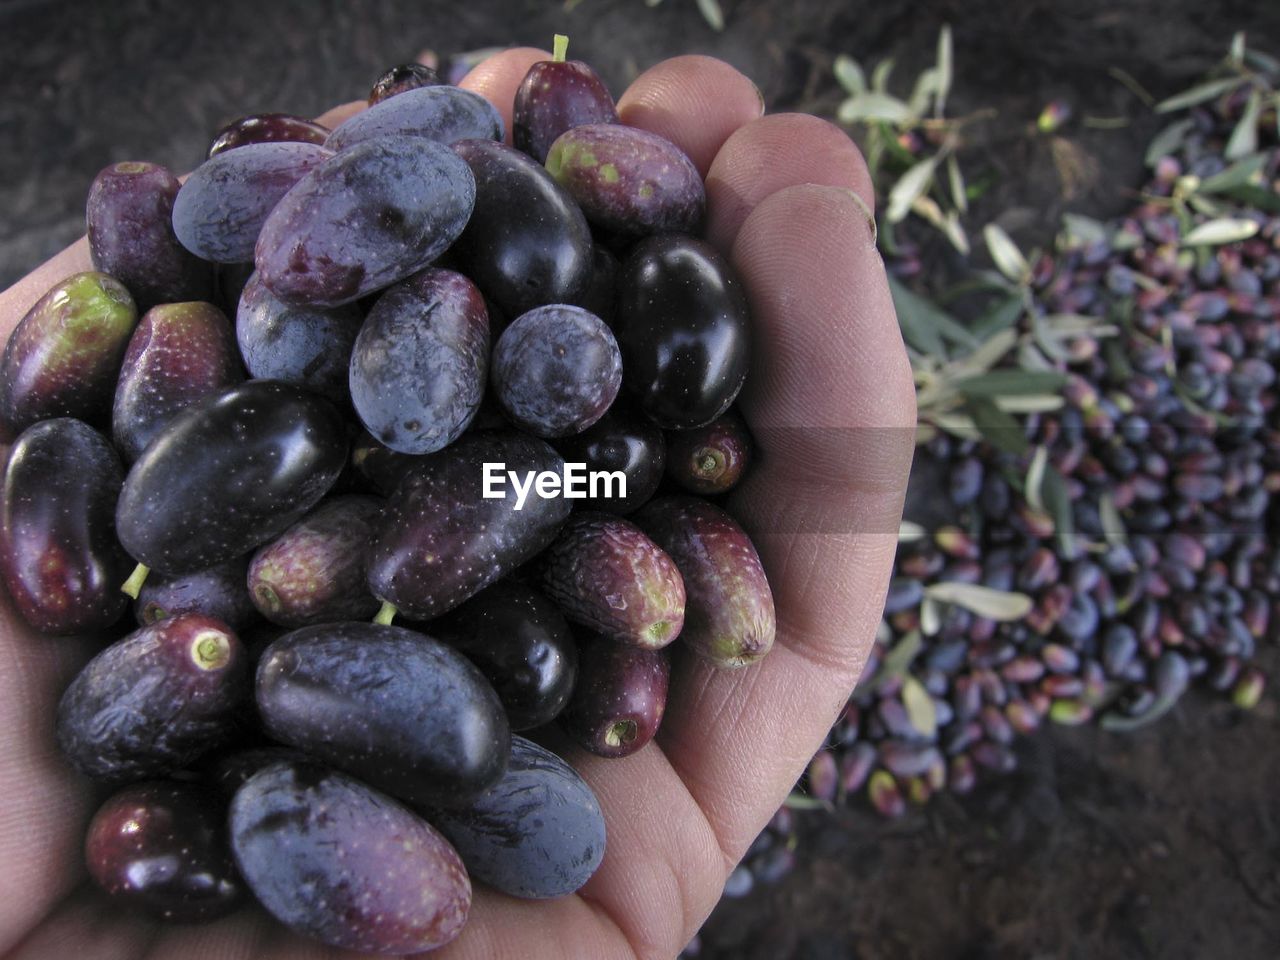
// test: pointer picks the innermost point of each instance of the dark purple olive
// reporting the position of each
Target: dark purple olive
(163, 847)
(556, 370)
(63, 357)
(420, 363)
(403, 712)
(537, 833)
(218, 591)
(555, 96)
(684, 330)
(402, 77)
(267, 128)
(155, 701)
(129, 219)
(229, 474)
(619, 699)
(59, 556)
(621, 441)
(527, 244)
(442, 539)
(711, 459)
(520, 641)
(337, 861)
(314, 572)
(729, 615)
(179, 354)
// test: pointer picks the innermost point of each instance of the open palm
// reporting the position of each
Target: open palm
(830, 399)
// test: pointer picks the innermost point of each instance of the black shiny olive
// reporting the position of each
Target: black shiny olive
(683, 327)
(622, 440)
(520, 641)
(527, 244)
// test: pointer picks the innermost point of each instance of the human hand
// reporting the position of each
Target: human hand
(831, 401)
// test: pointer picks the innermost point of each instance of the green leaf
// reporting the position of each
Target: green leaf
(1236, 56)
(921, 712)
(909, 532)
(1244, 138)
(1005, 253)
(898, 660)
(1057, 503)
(926, 86)
(1085, 229)
(955, 182)
(914, 183)
(1236, 175)
(1255, 196)
(1215, 232)
(800, 801)
(1262, 61)
(984, 601)
(1035, 477)
(1002, 316)
(998, 428)
(1011, 383)
(944, 69)
(865, 107)
(849, 74)
(712, 13)
(1198, 94)
(924, 324)
(1112, 526)
(880, 75)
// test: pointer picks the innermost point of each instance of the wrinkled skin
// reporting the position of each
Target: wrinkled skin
(679, 814)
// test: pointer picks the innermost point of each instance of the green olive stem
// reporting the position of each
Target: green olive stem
(559, 48)
(135, 581)
(386, 613)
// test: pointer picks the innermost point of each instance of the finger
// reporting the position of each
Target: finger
(496, 78)
(696, 102)
(332, 117)
(832, 404)
(45, 806)
(775, 152)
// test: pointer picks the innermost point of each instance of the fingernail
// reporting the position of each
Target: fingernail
(759, 96)
(866, 212)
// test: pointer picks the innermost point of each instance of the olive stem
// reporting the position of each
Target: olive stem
(135, 581)
(559, 48)
(386, 613)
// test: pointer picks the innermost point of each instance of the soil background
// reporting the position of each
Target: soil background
(1165, 843)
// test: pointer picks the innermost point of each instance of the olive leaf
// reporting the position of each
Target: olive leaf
(1198, 94)
(1224, 230)
(1010, 383)
(1001, 316)
(945, 71)
(955, 182)
(1085, 229)
(924, 324)
(1244, 138)
(984, 601)
(996, 426)
(849, 74)
(1168, 140)
(1005, 253)
(880, 75)
(1035, 477)
(898, 660)
(862, 107)
(1236, 175)
(921, 711)
(914, 183)
(1031, 403)
(1112, 526)
(801, 801)
(930, 618)
(1258, 197)
(711, 12)
(909, 532)
(1057, 503)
